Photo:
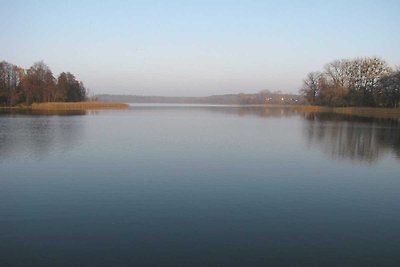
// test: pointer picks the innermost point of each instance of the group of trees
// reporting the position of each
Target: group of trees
(37, 84)
(355, 82)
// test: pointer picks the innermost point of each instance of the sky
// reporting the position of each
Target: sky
(196, 48)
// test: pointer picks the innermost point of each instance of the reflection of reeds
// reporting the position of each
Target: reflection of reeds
(311, 108)
(371, 112)
(78, 105)
(357, 111)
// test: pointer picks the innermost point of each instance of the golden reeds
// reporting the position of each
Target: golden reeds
(78, 105)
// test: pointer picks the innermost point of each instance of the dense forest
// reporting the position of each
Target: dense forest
(367, 82)
(37, 84)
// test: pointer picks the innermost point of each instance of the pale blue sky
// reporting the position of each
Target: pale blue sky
(196, 47)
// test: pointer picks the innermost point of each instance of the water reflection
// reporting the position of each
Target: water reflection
(19, 112)
(259, 111)
(34, 134)
(34, 137)
(339, 136)
(273, 112)
(351, 137)
(183, 183)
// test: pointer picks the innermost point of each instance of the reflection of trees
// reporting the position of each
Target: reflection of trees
(340, 136)
(17, 112)
(266, 111)
(362, 139)
(35, 136)
(259, 111)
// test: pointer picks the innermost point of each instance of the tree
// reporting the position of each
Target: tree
(39, 84)
(311, 87)
(337, 81)
(5, 79)
(69, 89)
(388, 90)
(10, 83)
(62, 87)
(346, 82)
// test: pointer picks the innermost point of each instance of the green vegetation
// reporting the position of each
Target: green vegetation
(366, 82)
(37, 84)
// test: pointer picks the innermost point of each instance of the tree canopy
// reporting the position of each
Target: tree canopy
(354, 82)
(37, 84)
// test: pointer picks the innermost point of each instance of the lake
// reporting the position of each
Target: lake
(198, 186)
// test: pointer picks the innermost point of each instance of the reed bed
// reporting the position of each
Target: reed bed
(78, 105)
(357, 111)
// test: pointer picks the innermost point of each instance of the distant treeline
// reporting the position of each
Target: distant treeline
(367, 82)
(263, 97)
(37, 84)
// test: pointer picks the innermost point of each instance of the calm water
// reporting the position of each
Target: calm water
(198, 186)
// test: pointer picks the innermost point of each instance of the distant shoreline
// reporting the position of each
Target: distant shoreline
(261, 98)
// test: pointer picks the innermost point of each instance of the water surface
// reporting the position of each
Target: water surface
(198, 186)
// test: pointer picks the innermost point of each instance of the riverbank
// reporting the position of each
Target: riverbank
(393, 113)
(77, 106)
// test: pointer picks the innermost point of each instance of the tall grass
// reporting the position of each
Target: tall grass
(78, 105)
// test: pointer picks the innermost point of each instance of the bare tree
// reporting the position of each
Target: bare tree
(311, 87)
(347, 82)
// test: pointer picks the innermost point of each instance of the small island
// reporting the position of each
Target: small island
(37, 88)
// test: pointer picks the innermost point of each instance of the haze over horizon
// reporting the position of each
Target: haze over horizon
(196, 48)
